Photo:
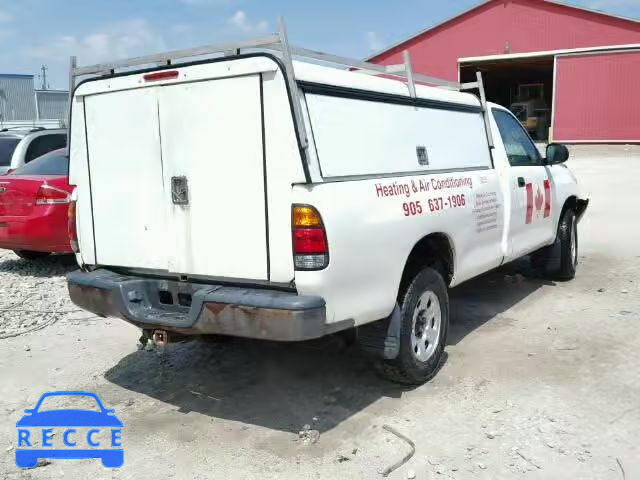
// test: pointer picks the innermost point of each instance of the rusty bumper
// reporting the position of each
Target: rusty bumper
(197, 309)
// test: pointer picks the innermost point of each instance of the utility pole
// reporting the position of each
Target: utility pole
(44, 69)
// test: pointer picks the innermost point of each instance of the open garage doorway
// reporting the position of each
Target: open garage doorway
(523, 85)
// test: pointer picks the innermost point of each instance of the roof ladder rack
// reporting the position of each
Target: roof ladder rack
(479, 84)
(293, 86)
(279, 42)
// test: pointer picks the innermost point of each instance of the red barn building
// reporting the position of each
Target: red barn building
(567, 71)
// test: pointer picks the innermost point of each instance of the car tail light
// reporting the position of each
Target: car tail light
(71, 227)
(48, 195)
(310, 247)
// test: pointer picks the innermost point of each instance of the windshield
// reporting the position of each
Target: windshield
(52, 163)
(7, 146)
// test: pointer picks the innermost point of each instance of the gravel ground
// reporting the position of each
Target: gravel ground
(33, 295)
(541, 379)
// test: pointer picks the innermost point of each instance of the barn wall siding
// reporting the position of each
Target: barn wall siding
(523, 25)
(597, 97)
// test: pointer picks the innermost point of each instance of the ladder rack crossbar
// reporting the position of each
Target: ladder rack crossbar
(279, 42)
(163, 58)
(272, 43)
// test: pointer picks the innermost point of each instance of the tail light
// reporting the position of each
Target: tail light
(71, 227)
(48, 195)
(310, 247)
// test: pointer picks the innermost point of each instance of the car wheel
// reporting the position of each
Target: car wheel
(424, 310)
(30, 254)
(568, 233)
(560, 260)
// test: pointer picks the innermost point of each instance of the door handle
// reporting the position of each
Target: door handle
(521, 182)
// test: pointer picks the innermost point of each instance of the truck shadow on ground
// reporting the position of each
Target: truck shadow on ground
(51, 266)
(480, 300)
(284, 386)
(273, 385)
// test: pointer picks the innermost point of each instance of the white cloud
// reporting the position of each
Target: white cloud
(117, 40)
(240, 21)
(374, 42)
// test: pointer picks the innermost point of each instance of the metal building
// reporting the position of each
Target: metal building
(52, 104)
(23, 106)
(567, 72)
(16, 97)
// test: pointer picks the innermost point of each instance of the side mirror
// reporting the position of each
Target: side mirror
(556, 153)
(29, 410)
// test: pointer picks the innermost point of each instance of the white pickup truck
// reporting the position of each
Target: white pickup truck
(254, 196)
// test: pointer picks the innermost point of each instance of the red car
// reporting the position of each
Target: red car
(34, 203)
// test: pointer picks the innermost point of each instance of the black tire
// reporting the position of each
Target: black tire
(560, 260)
(30, 254)
(407, 368)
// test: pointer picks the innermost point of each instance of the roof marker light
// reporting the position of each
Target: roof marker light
(163, 75)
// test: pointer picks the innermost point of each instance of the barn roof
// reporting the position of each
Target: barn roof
(485, 2)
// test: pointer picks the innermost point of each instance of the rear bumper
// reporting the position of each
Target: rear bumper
(45, 230)
(196, 309)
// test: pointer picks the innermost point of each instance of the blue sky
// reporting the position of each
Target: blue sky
(34, 32)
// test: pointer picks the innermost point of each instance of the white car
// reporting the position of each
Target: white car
(21, 145)
(254, 196)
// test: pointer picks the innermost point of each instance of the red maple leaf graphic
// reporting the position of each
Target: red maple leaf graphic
(539, 199)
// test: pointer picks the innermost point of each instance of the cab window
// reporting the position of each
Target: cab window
(521, 151)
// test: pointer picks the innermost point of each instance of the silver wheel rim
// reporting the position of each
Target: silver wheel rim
(427, 321)
(574, 244)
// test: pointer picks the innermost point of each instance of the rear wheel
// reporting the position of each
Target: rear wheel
(30, 254)
(424, 310)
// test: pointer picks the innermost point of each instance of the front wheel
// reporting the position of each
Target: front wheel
(560, 260)
(30, 254)
(424, 310)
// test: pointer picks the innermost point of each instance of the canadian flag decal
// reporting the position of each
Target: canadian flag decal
(538, 201)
